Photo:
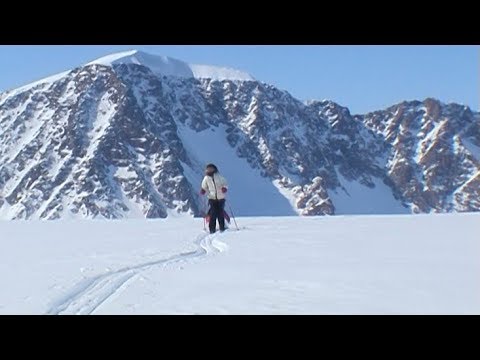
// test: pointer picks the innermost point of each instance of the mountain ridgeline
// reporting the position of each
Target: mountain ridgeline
(122, 137)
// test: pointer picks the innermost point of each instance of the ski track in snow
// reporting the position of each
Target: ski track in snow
(90, 293)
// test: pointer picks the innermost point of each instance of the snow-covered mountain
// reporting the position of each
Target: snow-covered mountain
(128, 135)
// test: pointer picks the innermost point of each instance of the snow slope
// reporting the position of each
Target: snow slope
(48, 81)
(167, 66)
(357, 199)
(422, 264)
(250, 194)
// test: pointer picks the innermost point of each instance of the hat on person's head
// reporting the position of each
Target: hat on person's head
(212, 166)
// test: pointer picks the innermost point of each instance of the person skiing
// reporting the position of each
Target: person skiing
(215, 186)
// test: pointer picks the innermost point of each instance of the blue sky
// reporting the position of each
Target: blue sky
(364, 78)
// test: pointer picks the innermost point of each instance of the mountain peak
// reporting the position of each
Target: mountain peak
(168, 66)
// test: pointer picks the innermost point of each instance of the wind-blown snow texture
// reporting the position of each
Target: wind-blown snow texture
(423, 264)
(128, 135)
(167, 66)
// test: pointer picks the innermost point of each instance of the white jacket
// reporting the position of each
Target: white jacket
(213, 186)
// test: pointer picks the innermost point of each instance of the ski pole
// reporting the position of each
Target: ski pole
(204, 211)
(205, 215)
(233, 216)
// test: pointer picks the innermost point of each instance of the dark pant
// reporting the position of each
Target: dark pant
(216, 212)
